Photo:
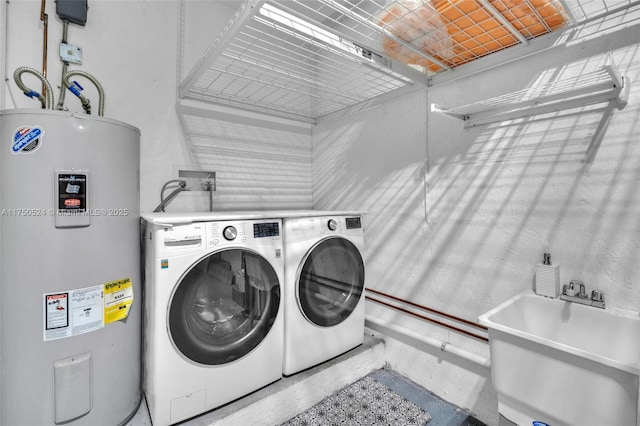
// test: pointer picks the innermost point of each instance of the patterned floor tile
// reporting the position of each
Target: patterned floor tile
(365, 402)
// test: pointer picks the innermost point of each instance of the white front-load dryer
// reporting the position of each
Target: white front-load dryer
(323, 289)
(213, 313)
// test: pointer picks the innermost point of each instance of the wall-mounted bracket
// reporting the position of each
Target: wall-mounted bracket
(198, 180)
(603, 85)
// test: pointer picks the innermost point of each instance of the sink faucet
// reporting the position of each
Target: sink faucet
(576, 292)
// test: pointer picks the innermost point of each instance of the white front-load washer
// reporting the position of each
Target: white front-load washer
(323, 288)
(213, 312)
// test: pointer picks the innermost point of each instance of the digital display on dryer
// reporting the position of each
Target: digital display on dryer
(267, 229)
(353, 222)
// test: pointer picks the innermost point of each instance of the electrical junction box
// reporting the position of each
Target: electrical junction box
(70, 53)
(74, 11)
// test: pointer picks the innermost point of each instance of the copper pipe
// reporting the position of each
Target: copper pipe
(426, 308)
(45, 40)
(449, 326)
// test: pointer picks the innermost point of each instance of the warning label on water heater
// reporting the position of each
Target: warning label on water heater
(57, 310)
(118, 297)
(73, 312)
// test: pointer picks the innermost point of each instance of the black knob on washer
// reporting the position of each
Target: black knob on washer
(230, 233)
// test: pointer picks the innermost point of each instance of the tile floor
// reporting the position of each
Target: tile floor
(364, 402)
(442, 412)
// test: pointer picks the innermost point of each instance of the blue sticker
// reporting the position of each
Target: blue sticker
(27, 139)
(539, 423)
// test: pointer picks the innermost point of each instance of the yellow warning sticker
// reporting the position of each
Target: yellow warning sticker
(118, 297)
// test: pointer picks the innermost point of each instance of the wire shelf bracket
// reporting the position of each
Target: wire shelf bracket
(602, 85)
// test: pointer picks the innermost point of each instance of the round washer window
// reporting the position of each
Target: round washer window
(331, 282)
(224, 306)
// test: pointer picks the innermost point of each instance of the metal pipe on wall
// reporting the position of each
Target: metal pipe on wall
(442, 345)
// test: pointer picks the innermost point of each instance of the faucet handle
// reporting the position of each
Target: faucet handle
(597, 296)
(578, 288)
(569, 289)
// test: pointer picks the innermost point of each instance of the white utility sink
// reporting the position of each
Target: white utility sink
(562, 363)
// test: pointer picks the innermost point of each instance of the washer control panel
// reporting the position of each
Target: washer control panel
(266, 229)
(253, 231)
(221, 233)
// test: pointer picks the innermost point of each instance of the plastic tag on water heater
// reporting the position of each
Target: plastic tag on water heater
(72, 195)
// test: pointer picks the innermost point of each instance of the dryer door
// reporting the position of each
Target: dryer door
(330, 282)
(224, 306)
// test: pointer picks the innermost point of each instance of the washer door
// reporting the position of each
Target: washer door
(224, 306)
(330, 282)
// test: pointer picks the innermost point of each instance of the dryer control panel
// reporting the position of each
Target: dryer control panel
(348, 223)
(310, 228)
(353, 222)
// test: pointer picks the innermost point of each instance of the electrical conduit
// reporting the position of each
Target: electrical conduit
(47, 99)
(65, 65)
(75, 88)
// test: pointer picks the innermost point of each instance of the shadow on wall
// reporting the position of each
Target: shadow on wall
(500, 195)
(374, 162)
(497, 196)
(258, 167)
(507, 192)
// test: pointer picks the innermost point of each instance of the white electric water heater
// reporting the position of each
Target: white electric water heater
(70, 291)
